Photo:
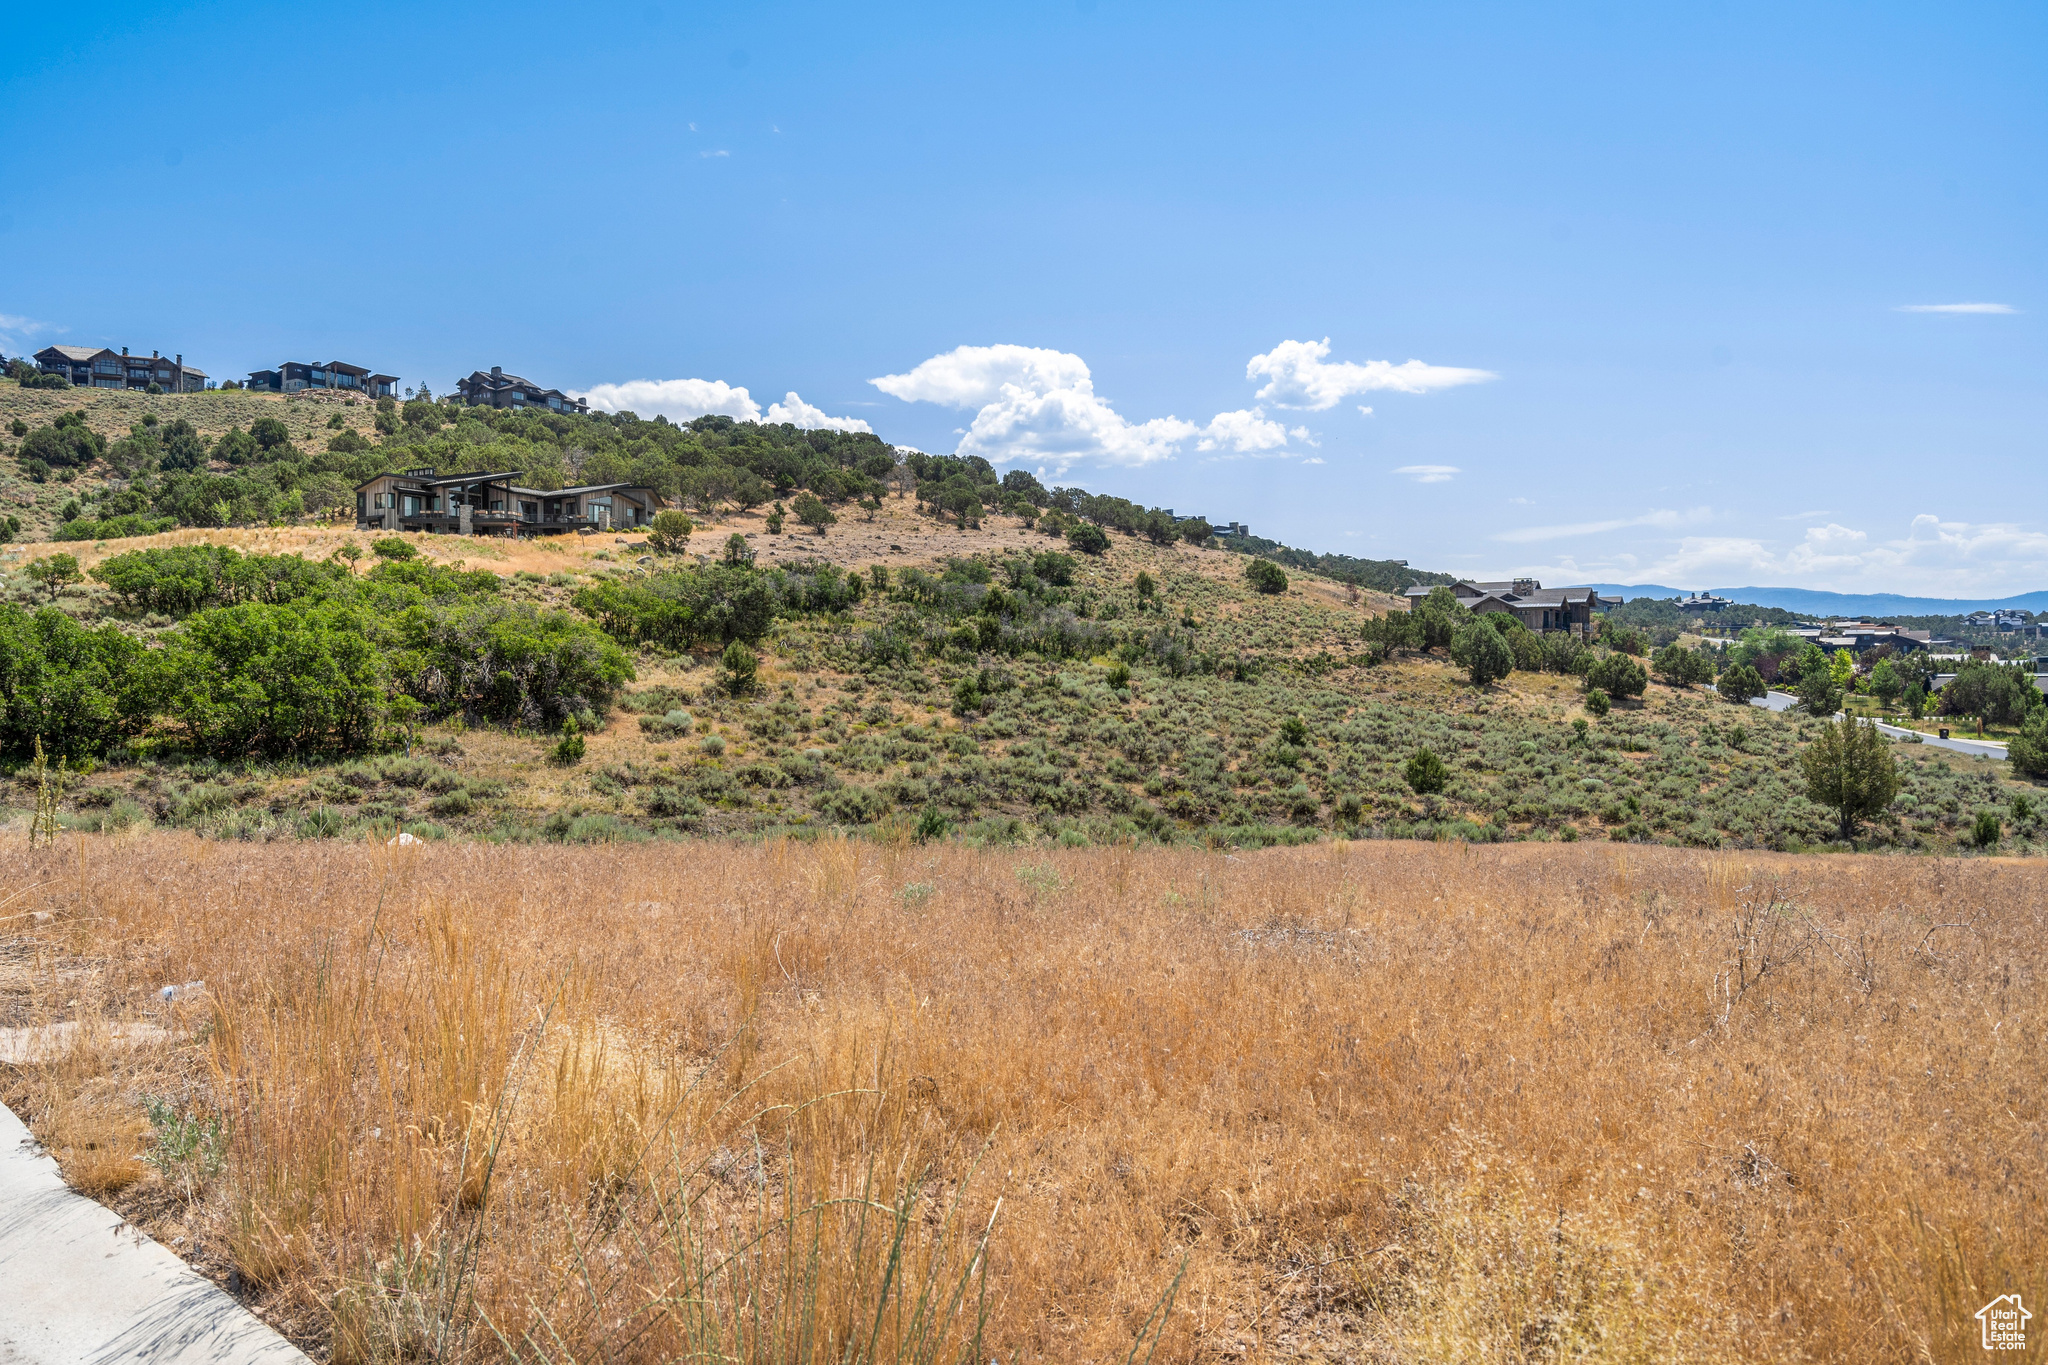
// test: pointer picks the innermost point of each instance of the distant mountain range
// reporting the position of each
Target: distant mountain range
(1808, 602)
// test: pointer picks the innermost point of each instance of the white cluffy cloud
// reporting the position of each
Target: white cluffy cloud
(679, 400)
(1935, 558)
(15, 331)
(1037, 404)
(1663, 516)
(797, 412)
(1955, 308)
(1430, 473)
(1298, 376)
(682, 400)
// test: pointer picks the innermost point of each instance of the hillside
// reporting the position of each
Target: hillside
(977, 695)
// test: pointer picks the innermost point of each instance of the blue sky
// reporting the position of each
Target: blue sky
(1650, 262)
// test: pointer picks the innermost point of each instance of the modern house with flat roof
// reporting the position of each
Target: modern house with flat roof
(296, 376)
(500, 390)
(100, 367)
(492, 504)
(1535, 606)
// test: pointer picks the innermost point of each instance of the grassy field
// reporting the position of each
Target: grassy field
(1364, 1101)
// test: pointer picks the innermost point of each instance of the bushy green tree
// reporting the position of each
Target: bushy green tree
(393, 547)
(1817, 691)
(1682, 667)
(1265, 576)
(1740, 683)
(812, 512)
(1087, 538)
(1426, 773)
(2028, 750)
(669, 533)
(1850, 770)
(1995, 693)
(1618, 675)
(1054, 567)
(1388, 632)
(737, 669)
(1885, 682)
(64, 444)
(74, 688)
(1598, 703)
(270, 433)
(54, 573)
(264, 680)
(178, 580)
(1484, 656)
(1442, 616)
(507, 662)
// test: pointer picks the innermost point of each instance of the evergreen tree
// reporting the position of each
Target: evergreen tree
(1850, 769)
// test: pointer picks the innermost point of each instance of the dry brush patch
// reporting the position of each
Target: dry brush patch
(1367, 1100)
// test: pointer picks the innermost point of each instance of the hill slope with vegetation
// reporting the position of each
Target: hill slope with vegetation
(1021, 691)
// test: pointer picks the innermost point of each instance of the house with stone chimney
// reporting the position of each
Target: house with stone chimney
(99, 367)
(500, 390)
(1539, 608)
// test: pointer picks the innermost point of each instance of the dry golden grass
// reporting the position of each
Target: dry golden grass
(1382, 1101)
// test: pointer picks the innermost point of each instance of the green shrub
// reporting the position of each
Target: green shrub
(568, 750)
(82, 691)
(1265, 576)
(1985, 831)
(1597, 702)
(507, 662)
(1088, 538)
(1426, 773)
(677, 722)
(393, 547)
(258, 679)
(1618, 675)
(1850, 770)
(811, 510)
(1483, 654)
(457, 802)
(669, 533)
(2028, 750)
(1741, 683)
(738, 668)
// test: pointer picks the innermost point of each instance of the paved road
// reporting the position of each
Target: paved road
(79, 1286)
(1983, 748)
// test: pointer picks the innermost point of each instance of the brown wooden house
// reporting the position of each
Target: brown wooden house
(492, 504)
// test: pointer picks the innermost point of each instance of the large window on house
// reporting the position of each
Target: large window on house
(107, 366)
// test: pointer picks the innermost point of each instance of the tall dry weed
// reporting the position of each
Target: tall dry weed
(1359, 1101)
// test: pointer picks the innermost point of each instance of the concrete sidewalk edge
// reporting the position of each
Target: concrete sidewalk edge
(80, 1286)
